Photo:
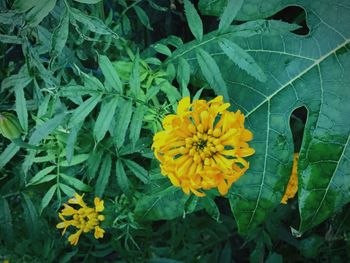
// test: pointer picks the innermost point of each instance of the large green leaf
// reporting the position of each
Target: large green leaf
(305, 71)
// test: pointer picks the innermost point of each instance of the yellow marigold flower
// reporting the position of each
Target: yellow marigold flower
(292, 187)
(203, 145)
(83, 218)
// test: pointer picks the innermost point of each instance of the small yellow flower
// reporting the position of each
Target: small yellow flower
(203, 146)
(83, 218)
(292, 187)
(6, 261)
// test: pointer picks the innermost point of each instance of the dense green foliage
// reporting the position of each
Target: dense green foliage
(90, 82)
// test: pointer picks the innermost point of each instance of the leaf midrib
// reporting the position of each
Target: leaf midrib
(316, 62)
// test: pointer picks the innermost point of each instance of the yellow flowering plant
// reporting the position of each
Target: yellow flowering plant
(203, 146)
(82, 217)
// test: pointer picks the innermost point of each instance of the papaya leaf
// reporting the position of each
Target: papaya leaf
(166, 204)
(301, 71)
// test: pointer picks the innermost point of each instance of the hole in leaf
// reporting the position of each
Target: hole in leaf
(297, 124)
(294, 15)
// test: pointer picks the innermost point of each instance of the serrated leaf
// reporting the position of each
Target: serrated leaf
(8, 39)
(104, 118)
(72, 137)
(75, 183)
(77, 159)
(162, 49)
(123, 117)
(77, 90)
(93, 164)
(46, 128)
(30, 217)
(47, 197)
(165, 205)
(8, 153)
(39, 11)
(60, 34)
(110, 74)
(212, 73)
(22, 6)
(143, 17)
(92, 23)
(134, 81)
(83, 110)
(230, 12)
(102, 180)
(136, 123)
(21, 108)
(88, 1)
(69, 191)
(122, 179)
(183, 76)
(137, 170)
(242, 59)
(193, 19)
(6, 226)
(41, 174)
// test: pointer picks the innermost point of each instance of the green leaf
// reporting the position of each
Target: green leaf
(46, 128)
(69, 191)
(298, 74)
(77, 90)
(212, 73)
(110, 74)
(11, 39)
(183, 76)
(72, 137)
(60, 34)
(88, 1)
(75, 183)
(83, 110)
(138, 170)
(193, 19)
(6, 226)
(104, 118)
(102, 180)
(41, 174)
(8, 153)
(230, 12)
(93, 163)
(143, 17)
(21, 108)
(134, 81)
(77, 159)
(22, 6)
(164, 205)
(39, 11)
(92, 23)
(122, 179)
(162, 49)
(30, 217)
(242, 59)
(47, 197)
(123, 117)
(136, 123)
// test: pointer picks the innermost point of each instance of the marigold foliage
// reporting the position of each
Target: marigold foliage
(292, 187)
(84, 219)
(203, 146)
